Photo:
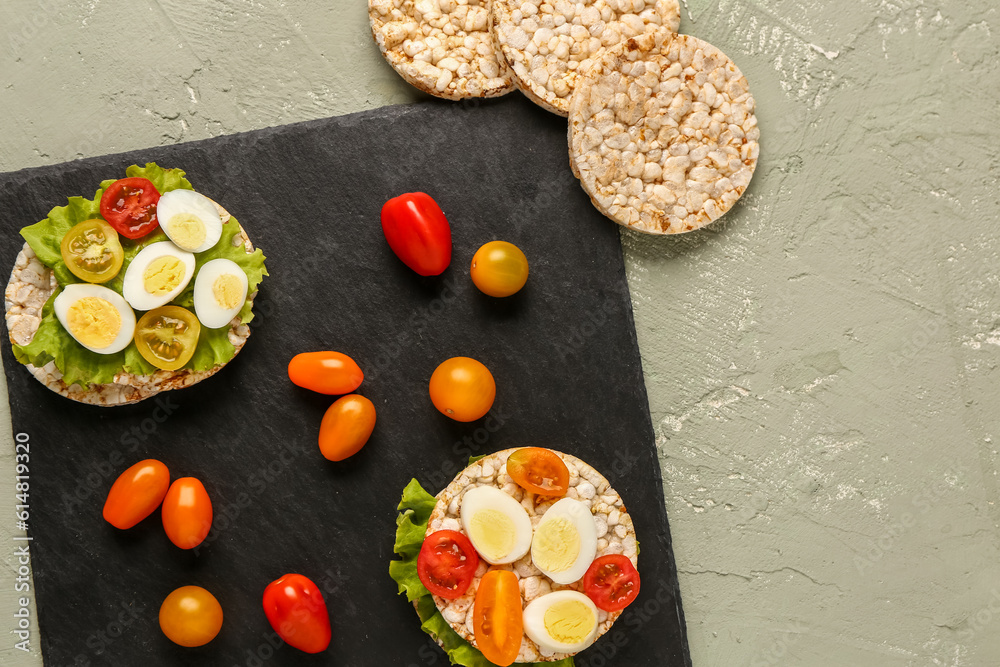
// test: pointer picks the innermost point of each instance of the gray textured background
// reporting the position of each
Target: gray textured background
(821, 364)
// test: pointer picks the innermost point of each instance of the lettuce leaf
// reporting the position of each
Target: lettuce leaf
(415, 510)
(78, 364)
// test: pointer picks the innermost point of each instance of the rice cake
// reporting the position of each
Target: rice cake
(549, 45)
(663, 133)
(442, 47)
(616, 535)
(29, 288)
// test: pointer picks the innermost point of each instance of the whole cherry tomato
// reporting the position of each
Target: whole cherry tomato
(539, 470)
(129, 205)
(187, 513)
(295, 609)
(447, 564)
(499, 269)
(346, 427)
(190, 616)
(611, 582)
(325, 372)
(136, 493)
(497, 619)
(417, 231)
(463, 389)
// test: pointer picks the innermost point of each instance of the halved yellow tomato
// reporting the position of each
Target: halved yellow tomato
(92, 251)
(167, 336)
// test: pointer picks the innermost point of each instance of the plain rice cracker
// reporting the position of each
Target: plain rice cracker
(442, 47)
(662, 133)
(30, 286)
(615, 531)
(549, 44)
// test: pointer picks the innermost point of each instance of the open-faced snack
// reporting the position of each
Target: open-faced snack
(662, 133)
(549, 45)
(72, 299)
(464, 549)
(442, 47)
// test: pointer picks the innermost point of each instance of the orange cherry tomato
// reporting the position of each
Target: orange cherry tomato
(325, 372)
(136, 493)
(497, 619)
(463, 389)
(499, 269)
(346, 427)
(539, 470)
(187, 513)
(190, 616)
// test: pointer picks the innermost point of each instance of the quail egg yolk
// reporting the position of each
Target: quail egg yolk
(493, 533)
(93, 321)
(228, 291)
(162, 275)
(187, 231)
(556, 545)
(569, 621)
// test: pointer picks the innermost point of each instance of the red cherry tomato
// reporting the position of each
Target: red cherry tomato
(539, 470)
(129, 205)
(447, 564)
(325, 372)
(611, 582)
(187, 513)
(295, 609)
(418, 232)
(136, 493)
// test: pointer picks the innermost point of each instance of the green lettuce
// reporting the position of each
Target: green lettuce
(52, 343)
(411, 525)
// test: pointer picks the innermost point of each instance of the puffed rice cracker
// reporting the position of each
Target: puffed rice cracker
(442, 47)
(662, 133)
(615, 535)
(548, 44)
(30, 286)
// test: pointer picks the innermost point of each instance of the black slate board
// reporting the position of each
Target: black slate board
(563, 352)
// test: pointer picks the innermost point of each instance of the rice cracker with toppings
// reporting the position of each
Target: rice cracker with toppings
(29, 288)
(614, 531)
(549, 45)
(442, 47)
(663, 133)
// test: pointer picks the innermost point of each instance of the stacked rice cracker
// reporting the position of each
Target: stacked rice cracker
(662, 127)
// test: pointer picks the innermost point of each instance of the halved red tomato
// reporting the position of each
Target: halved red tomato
(447, 564)
(539, 470)
(611, 582)
(497, 618)
(129, 205)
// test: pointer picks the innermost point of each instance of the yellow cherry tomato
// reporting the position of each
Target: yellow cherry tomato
(191, 616)
(92, 251)
(463, 389)
(499, 269)
(167, 336)
(346, 427)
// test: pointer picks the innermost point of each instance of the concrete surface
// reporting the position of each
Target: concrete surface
(821, 364)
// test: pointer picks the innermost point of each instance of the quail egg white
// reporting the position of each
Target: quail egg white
(157, 275)
(220, 290)
(96, 317)
(189, 219)
(497, 525)
(561, 622)
(565, 541)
